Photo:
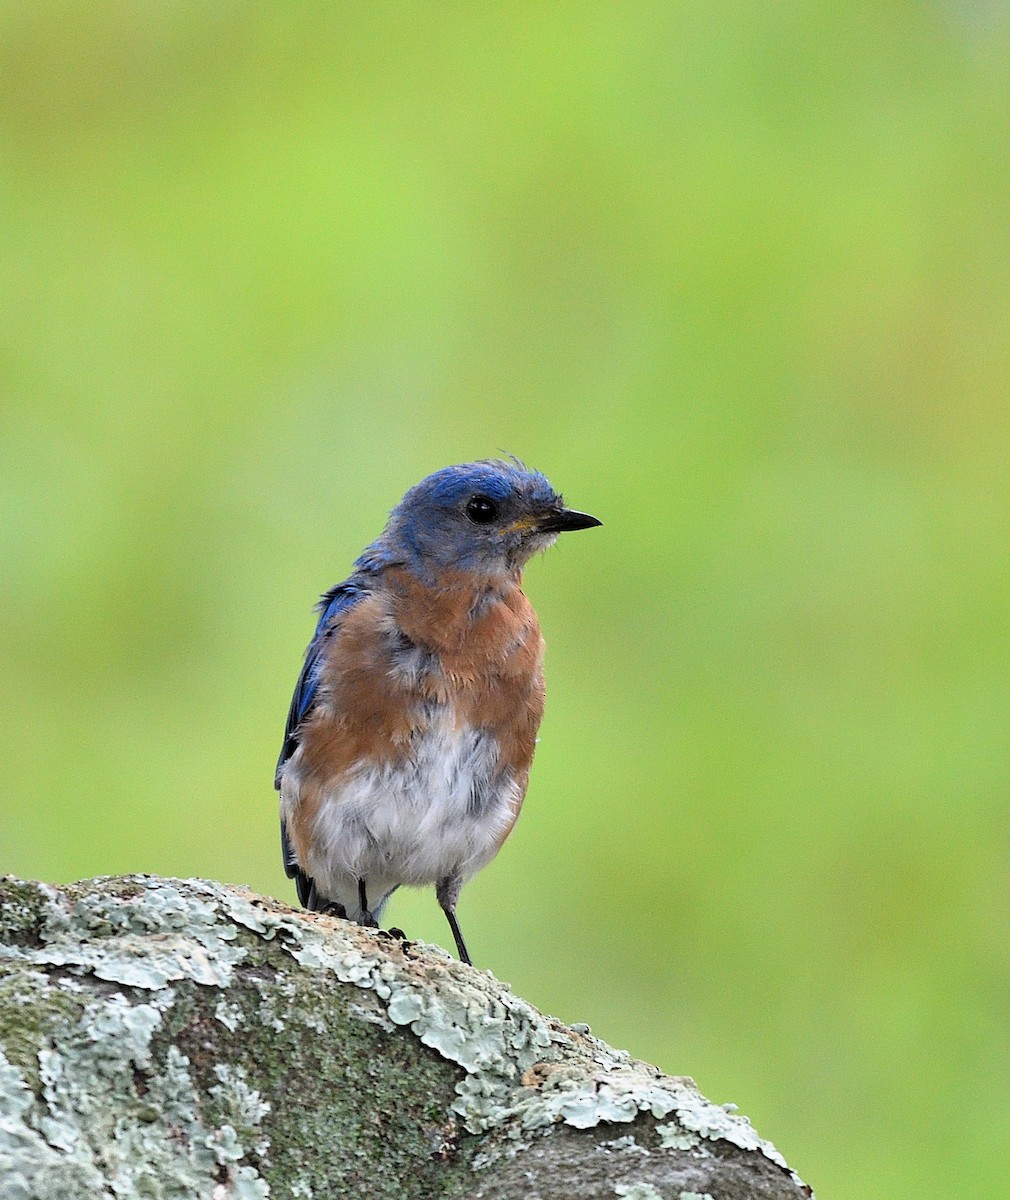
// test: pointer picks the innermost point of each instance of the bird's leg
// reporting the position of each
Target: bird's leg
(366, 917)
(457, 933)
(315, 902)
(447, 892)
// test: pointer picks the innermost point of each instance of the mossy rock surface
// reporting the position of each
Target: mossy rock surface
(177, 1038)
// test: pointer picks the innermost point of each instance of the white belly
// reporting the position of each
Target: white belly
(438, 813)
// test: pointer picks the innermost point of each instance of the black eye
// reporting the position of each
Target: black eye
(481, 509)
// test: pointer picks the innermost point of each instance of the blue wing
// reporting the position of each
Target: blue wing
(333, 603)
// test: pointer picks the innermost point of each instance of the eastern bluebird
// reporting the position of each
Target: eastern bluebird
(411, 732)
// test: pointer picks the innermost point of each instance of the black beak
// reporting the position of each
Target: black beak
(565, 519)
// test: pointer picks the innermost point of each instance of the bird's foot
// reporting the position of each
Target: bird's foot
(396, 935)
(366, 917)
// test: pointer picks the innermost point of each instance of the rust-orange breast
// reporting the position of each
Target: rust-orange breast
(406, 660)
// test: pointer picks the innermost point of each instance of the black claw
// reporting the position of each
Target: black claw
(331, 908)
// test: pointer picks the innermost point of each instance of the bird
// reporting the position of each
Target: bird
(411, 731)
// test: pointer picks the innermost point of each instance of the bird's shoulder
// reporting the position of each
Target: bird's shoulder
(333, 607)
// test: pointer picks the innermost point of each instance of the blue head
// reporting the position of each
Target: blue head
(485, 517)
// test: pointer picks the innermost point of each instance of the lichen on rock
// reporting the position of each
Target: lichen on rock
(176, 1038)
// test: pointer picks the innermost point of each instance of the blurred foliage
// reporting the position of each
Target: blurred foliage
(736, 277)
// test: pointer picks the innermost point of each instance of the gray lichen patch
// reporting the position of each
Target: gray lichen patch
(674, 1137)
(142, 935)
(112, 1119)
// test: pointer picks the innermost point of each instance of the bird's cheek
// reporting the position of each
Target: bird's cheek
(536, 543)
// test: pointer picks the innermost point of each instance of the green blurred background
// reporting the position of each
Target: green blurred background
(736, 277)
